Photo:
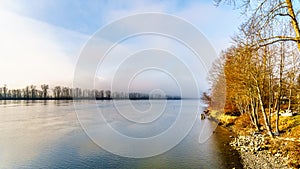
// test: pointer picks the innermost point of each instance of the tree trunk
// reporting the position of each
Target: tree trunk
(270, 99)
(298, 97)
(267, 123)
(290, 95)
(280, 88)
(277, 115)
(275, 106)
(298, 106)
(254, 115)
(294, 21)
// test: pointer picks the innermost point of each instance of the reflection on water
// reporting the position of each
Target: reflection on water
(44, 134)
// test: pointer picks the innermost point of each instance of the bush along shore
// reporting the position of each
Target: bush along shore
(258, 149)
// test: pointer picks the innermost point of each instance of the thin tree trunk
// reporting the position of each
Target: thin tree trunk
(275, 106)
(256, 110)
(264, 112)
(298, 97)
(254, 116)
(290, 94)
(277, 115)
(270, 99)
(280, 88)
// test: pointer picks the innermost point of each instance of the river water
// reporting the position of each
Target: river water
(47, 134)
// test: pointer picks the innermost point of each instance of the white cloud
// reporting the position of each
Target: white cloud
(34, 52)
(216, 23)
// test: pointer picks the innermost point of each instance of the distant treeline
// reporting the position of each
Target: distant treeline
(66, 93)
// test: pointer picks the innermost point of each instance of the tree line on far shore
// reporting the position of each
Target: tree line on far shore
(32, 92)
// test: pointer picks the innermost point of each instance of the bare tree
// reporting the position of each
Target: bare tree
(45, 90)
(26, 92)
(108, 94)
(4, 91)
(57, 92)
(33, 91)
(264, 14)
(66, 92)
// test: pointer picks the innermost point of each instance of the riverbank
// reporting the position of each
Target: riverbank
(254, 152)
(257, 149)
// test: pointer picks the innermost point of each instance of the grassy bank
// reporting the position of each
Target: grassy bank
(287, 144)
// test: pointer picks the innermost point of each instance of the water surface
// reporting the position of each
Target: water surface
(47, 134)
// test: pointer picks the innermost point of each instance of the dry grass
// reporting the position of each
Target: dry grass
(287, 143)
(243, 125)
(290, 126)
(225, 120)
(239, 124)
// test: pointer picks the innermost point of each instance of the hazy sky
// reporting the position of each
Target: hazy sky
(41, 40)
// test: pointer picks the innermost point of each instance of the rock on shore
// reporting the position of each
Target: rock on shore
(254, 153)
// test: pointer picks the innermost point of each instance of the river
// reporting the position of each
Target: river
(47, 134)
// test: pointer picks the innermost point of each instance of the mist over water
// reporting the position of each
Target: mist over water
(47, 134)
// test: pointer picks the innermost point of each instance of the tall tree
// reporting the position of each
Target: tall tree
(45, 88)
(264, 14)
(4, 91)
(57, 92)
(33, 91)
(108, 94)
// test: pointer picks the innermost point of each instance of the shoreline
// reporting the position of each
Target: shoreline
(254, 153)
(254, 148)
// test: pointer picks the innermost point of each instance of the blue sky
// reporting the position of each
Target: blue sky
(88, 16)
(42, 39)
